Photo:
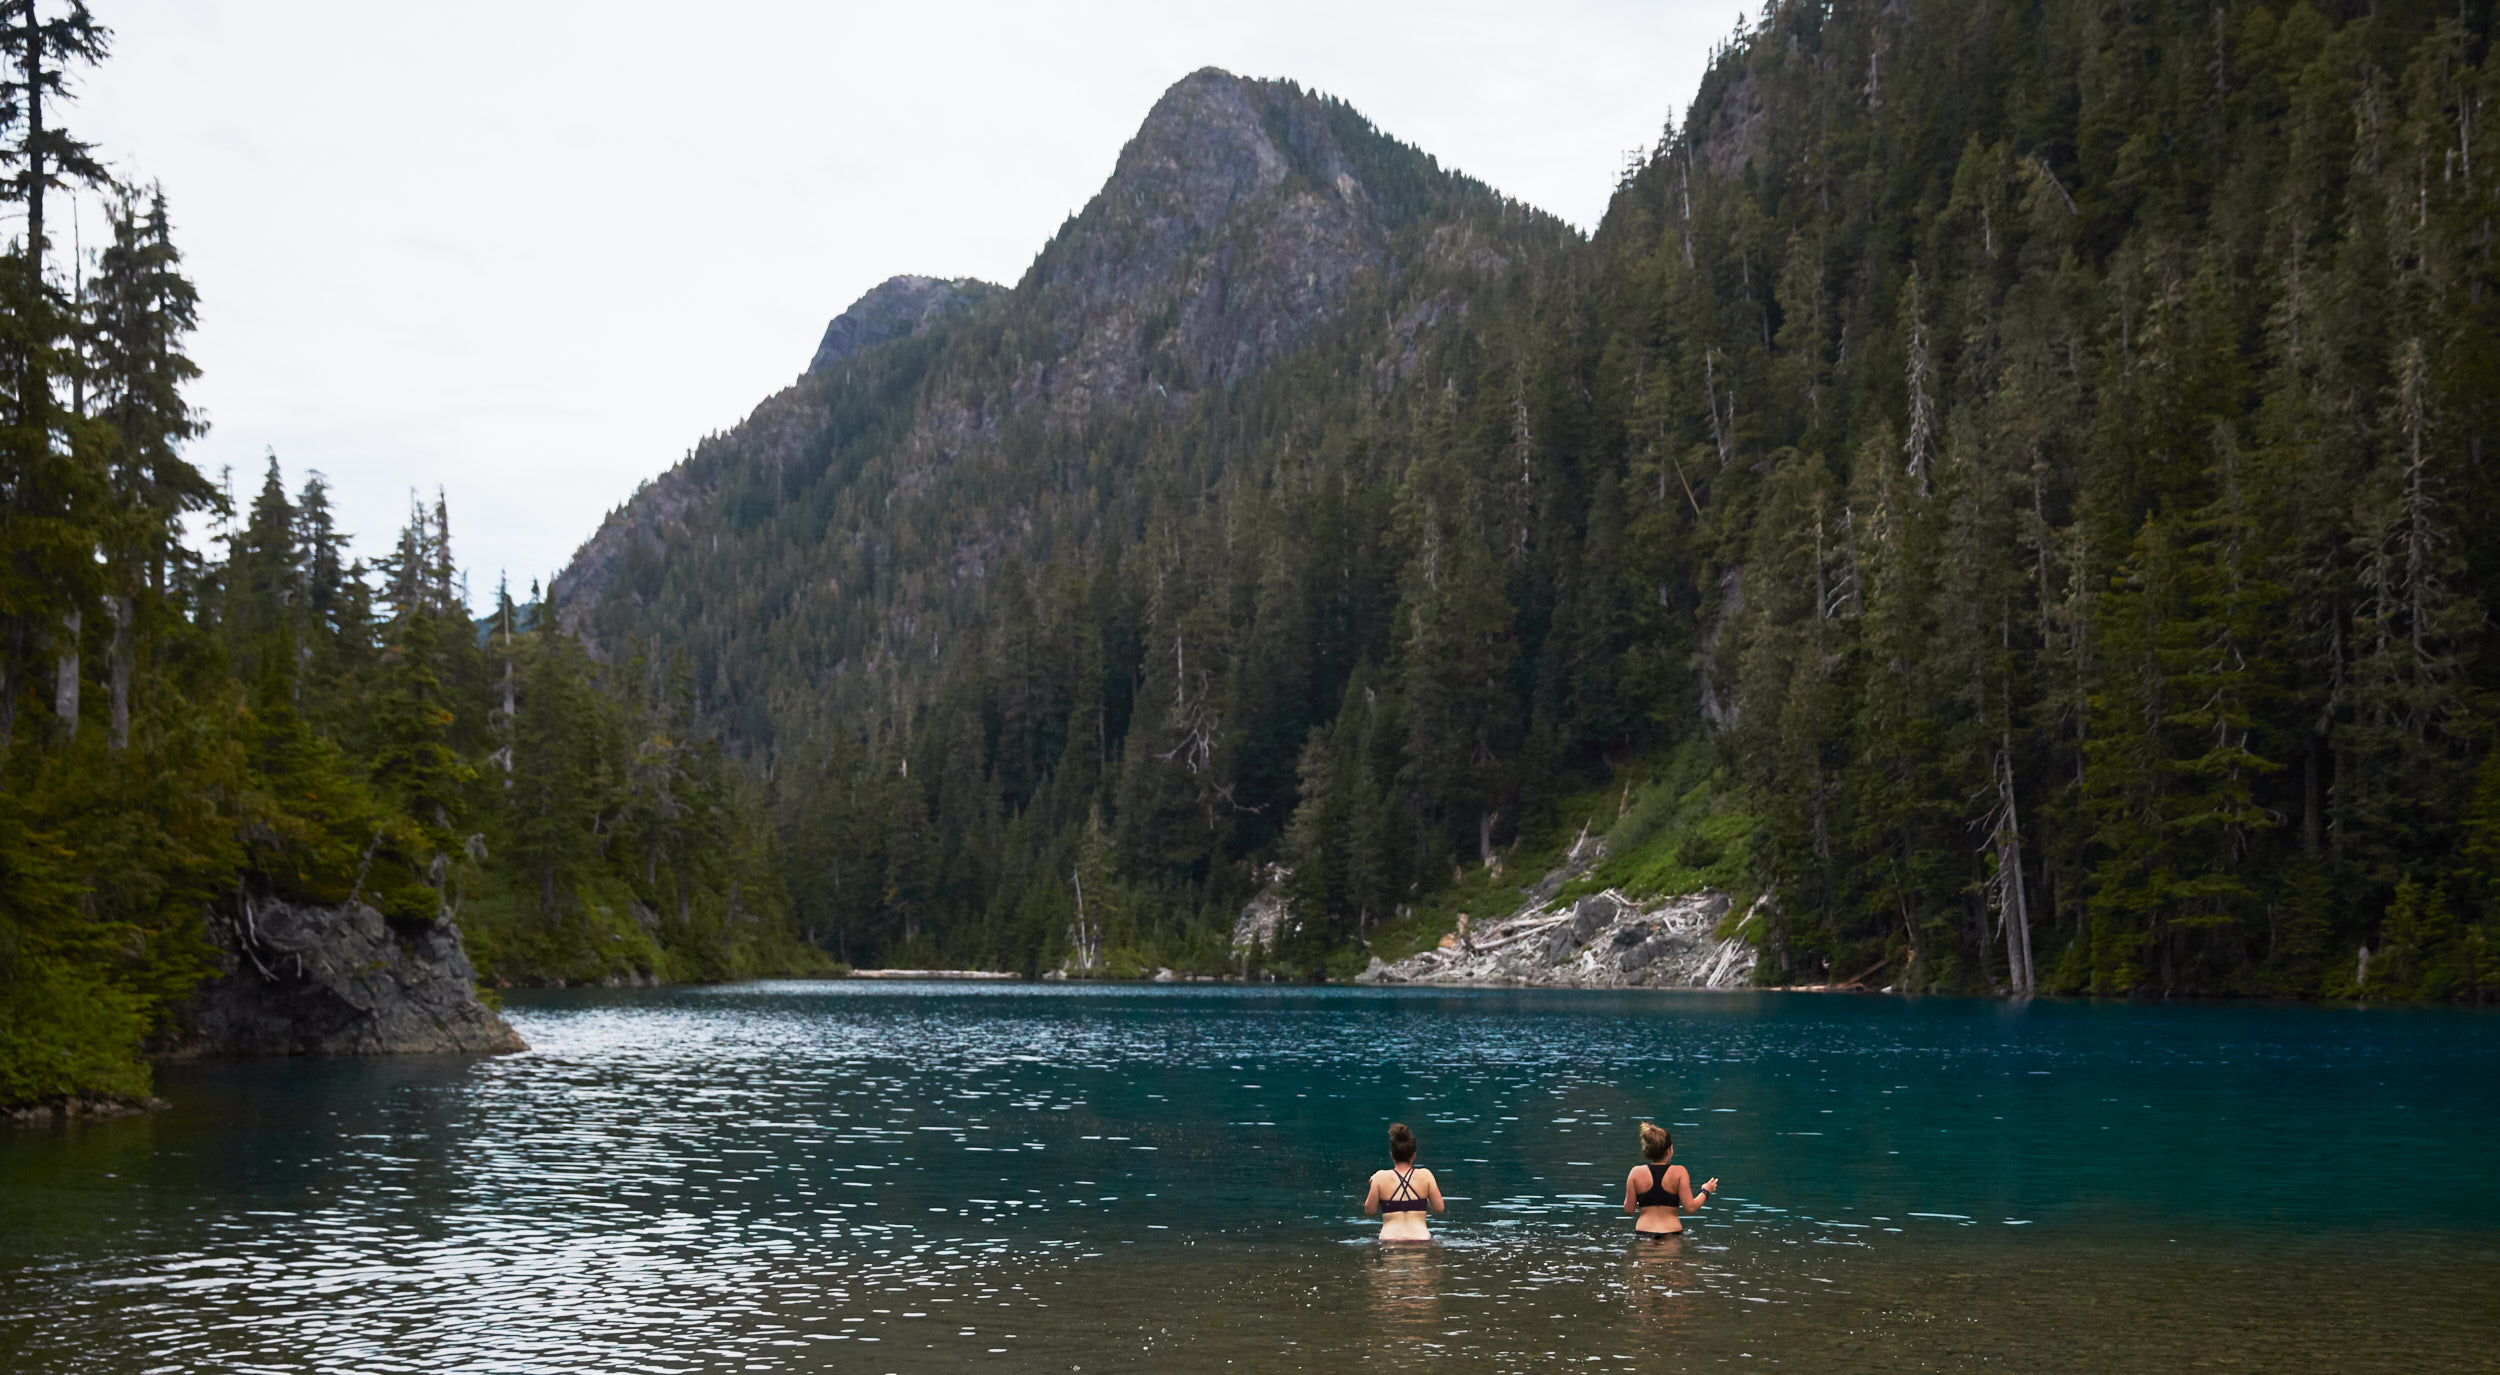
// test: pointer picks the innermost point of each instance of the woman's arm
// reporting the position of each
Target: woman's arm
(1632, 1191)
(1695, 1198)
(1432, 1190)
(1371, 1196)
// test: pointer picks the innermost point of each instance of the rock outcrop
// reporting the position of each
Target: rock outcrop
(1600, 940)
(898, 308)
(1603, 940)
(344, 980)
(1264, 920)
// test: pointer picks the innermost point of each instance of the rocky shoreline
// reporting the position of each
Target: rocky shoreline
(78, 1108)
(1597, 940)
(299, 979)
(1604, 940)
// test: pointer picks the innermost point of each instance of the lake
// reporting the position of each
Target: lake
(905, 1177)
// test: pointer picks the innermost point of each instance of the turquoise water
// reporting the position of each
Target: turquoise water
(803, 1176)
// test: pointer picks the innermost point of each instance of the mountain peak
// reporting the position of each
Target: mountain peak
(1203, 149)
(1243, 219)
(1236, 222)
(895, 308)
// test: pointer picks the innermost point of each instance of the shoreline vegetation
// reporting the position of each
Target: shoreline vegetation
(2000, 514)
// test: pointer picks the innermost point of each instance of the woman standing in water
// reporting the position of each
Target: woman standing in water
(1661, 1193)
(1401, 1193)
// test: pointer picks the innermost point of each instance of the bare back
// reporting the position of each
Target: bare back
(1660, 1194)
(1401, 1196)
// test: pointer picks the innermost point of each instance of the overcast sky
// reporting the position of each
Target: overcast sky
(532, 252)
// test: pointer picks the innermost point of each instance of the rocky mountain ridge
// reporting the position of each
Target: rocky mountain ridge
(898, 308)
(1239, 225)
(1232, 227)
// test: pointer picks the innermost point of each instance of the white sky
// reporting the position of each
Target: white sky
(532, 251)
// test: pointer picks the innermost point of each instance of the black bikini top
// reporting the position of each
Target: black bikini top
(1657, 1195)
(1405, 1200)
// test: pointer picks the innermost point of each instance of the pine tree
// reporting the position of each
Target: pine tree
(1314, 850)
(561, 794)
(138, 309)
(414, 765)
(263, 613)
(1455, 628)
(57, 503)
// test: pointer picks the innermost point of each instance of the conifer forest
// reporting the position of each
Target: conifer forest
(2002, 491)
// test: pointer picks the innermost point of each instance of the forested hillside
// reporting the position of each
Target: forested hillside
(2031, 452)
(1049, 594)
(2083, 409)
(191, 727)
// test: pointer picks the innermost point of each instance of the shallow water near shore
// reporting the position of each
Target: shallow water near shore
(895, 1176)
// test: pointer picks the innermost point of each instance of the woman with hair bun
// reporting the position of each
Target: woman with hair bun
(1659, 1193)
(1401, 1193)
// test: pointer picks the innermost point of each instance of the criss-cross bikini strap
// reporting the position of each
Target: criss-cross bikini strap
(1406, 1184)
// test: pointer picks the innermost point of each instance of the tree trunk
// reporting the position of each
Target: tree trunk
(2312, 824)
(1077, 876)
(2418, 537)
(31, 71)
(65, 678)
(120, 607)
(2013, 904)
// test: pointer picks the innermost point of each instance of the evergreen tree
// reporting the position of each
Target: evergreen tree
(57, 500)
